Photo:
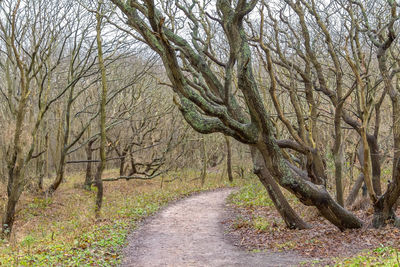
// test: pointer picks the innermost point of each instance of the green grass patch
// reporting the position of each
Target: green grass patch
(261, 224)
(382, 256)
(251, 195)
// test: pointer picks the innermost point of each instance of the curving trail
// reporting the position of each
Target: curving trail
(190, 233)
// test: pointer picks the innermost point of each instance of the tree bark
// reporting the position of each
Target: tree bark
(89, 156)
(375, 164)
(354, 190)
(60, 174)
(102, 124)
(307, 192)
(122, 161)
(229, 158)
(384, 208)
(339, 161)
(9, 215)
(16, 162)
(289, 216)
(204, 161)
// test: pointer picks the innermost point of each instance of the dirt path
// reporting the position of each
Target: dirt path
(190, 233)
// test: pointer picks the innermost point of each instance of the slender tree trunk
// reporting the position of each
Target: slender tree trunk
(383, 207)
(290, 217)
(229, 158)
(133, 165)
(121, 166)
(366, 167)
(89, 157)
(122, 161)
(61, 165)
(339, 161)
(99, 185)
(44, 163)
(98, 177)
(375, 164)
(40, 173)
(40, 162)
(60, 174)
(338, 145)
(204, 160)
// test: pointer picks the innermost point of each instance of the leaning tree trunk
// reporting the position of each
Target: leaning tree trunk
(60, 174)
(354, 190)
(307, 192)
(289, 216)
(315, 167)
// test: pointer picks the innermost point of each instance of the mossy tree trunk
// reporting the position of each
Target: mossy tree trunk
(102, 123)
(229, 158)
(204, 160)
(289, 216)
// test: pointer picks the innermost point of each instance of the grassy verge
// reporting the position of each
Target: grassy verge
(382, 256)
(251, 195)
(62, 230)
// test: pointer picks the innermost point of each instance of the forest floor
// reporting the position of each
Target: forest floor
(188, 228)
(62, 230)
(191, 233)
(256, 226)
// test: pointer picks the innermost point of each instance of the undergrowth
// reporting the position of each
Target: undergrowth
(253, 197)
(382, 256)
(62, 230)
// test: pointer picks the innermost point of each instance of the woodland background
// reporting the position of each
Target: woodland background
(303, 95)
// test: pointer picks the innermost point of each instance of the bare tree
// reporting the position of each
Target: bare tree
(209, 105)
(33, 47)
